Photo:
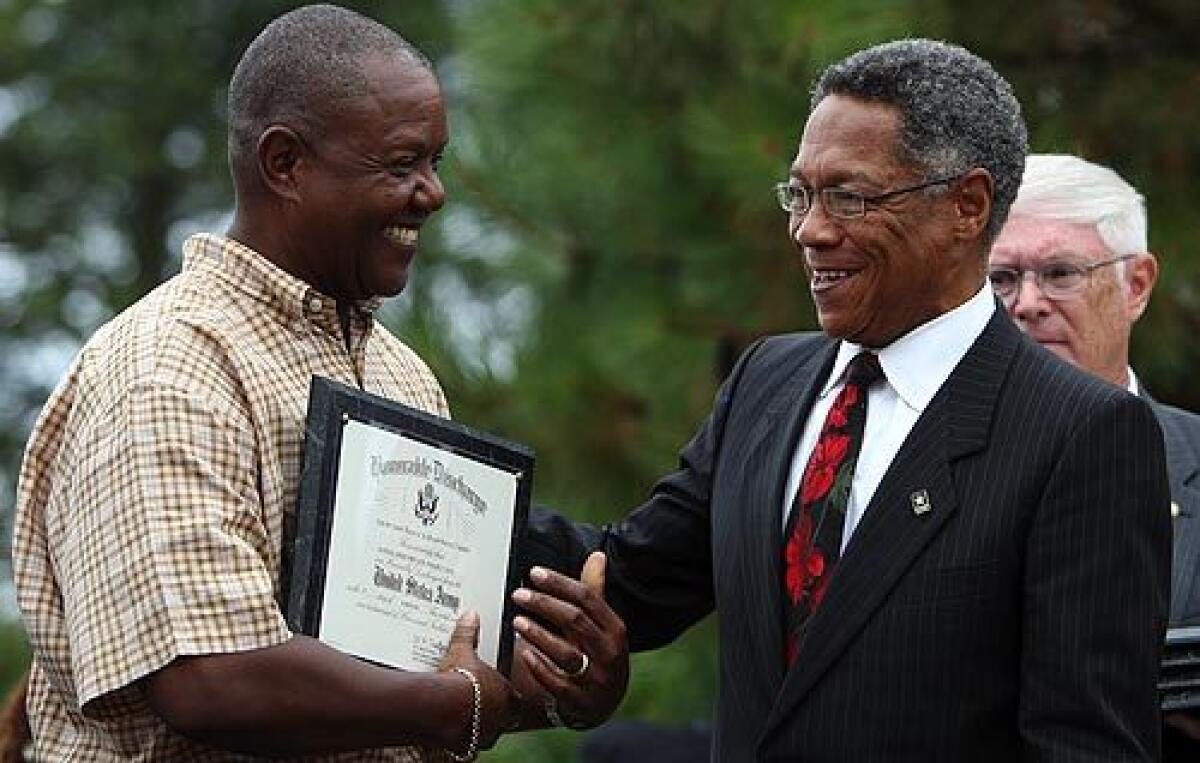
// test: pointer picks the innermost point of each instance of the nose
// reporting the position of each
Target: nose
(430, 194)
(816, 229)
(1029, 302)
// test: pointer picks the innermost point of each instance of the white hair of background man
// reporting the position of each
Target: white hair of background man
(1073, 190)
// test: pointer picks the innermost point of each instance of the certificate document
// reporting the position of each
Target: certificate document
(403, 522)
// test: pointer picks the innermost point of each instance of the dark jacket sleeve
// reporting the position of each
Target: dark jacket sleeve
(1096, 589)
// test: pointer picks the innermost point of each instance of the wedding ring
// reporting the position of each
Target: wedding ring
(583, 666)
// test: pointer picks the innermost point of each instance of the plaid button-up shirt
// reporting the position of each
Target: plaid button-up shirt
(155, 487)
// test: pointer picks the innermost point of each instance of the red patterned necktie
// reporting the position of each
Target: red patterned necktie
(813, 537)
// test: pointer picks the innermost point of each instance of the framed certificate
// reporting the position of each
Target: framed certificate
(403, 520)
(1179, 681)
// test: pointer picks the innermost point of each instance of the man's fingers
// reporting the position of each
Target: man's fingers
(466, 631)
(593, 573)
(565, 657)
(548, 675)
(565, 616)
(558, 585)
(580, 655)
(583, 596)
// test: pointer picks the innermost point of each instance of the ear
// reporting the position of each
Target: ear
(973, 204)
(281, 152)
(1140, 275)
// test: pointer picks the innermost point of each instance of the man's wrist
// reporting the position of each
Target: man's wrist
(467, 749)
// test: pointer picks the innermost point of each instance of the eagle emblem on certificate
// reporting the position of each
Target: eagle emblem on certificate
(427, 505)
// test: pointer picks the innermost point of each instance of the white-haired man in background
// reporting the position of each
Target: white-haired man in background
(1074, 270)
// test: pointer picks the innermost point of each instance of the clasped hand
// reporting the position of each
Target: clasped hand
(570, 662)
(572, 658)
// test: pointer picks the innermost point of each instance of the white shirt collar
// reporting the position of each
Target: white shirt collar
(918, 363)
(1131, 383)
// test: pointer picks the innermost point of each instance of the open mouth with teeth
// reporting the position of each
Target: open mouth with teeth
(823, 280)
(401, 235)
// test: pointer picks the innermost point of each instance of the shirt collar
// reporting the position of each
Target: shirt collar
(918, 363)
(251, 273)
(1131, 383)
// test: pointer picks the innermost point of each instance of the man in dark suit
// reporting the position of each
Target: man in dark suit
(1079, 231)
(976, 569)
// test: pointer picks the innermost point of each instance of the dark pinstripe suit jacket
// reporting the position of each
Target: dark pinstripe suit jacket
(1181, 431)
(1020, 618)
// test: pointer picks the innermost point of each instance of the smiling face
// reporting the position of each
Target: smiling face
(1090, 329)
(877, 277)
(368, 182)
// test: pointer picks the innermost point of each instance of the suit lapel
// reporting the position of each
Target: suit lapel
(895, 528)
(773, 441)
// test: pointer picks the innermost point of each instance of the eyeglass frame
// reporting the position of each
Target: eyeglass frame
(1037, 272)
(785, 189)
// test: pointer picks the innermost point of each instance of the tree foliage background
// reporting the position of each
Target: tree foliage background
(610, 241)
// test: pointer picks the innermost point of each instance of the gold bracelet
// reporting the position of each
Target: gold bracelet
(476, 719)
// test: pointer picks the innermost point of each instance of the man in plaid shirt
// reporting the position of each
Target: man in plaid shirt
(157, 481)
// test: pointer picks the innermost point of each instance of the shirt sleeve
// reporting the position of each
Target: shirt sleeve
(165, 551)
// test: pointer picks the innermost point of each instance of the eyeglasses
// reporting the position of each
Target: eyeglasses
(797, 200)
(1057, 280)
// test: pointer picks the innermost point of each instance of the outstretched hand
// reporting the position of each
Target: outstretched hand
(498, 701)
(582, 664)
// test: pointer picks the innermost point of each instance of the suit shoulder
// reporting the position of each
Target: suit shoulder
(1049, 389)
(1177, 419)
(1052, 375)
(771, 360)
(1181, 432)
(779, 348)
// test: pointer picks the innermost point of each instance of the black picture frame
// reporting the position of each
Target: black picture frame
(306, 541)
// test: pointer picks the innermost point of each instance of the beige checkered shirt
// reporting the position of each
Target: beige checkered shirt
(154, 487)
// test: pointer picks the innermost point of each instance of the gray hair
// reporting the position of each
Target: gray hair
(298, 64)
(1073, 190)
(956, 112)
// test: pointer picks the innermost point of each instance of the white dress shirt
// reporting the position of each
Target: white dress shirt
(916, 366)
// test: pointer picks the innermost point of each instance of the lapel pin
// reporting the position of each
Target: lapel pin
(1174, 509)
(920, 502)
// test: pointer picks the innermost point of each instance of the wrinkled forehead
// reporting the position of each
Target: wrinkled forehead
(1029, 240)
(848, 138)
(397, 95)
